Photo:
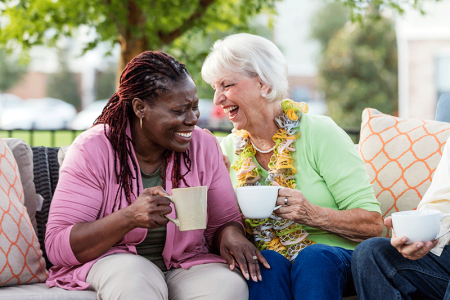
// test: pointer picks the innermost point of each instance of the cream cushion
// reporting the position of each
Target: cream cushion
(400, 156)
(24, 158)
(39, 291)
(21, 260)
(62, 154)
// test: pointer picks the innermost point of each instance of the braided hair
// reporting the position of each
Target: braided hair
(147, 76)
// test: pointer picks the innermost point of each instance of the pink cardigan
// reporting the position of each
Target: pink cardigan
(86, 191)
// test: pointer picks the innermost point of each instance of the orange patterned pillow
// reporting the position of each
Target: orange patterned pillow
(21, 260)
(400, 156)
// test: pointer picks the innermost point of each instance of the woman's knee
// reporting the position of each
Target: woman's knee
(276, 281)
(322, 259)
(127, 276)
(370, 253)
(315, 253)
(368, 248)
(276, 261)
(236, 281)
(207, 281)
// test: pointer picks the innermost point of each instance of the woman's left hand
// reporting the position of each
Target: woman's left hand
(235, 248)
(354, 224)
(295, 206)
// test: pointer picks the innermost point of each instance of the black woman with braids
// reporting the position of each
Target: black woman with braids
(106, 228)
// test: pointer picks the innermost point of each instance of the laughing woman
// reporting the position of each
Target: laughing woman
(328, 203)
(106, 228)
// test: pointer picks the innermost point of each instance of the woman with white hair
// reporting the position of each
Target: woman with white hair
(328, 203)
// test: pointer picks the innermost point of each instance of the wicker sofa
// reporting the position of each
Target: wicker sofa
(45, 166)
(400, 157)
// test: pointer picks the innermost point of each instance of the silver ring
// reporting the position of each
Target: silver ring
(255, 257)
(286, 200)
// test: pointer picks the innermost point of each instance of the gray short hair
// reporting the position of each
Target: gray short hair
(250, 55)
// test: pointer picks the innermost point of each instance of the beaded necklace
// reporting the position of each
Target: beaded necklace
(274, 233)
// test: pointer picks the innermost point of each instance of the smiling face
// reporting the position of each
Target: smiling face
(169, 122)
(240, 97)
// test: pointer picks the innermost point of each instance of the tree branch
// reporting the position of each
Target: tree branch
(169, 37)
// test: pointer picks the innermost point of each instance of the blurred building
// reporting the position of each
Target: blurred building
(31, 85)
(424, 59)
(291, 33)
(45, 61)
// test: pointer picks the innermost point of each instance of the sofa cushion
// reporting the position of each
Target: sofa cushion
(62, 154)
(39, 291)
(400, 156)
(24, 157)
(21, 260)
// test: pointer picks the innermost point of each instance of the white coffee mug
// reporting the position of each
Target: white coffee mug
(190, 207)
(257, 202)
(418, 225)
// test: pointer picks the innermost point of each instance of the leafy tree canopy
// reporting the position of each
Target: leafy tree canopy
(136, 25)
(139, 25)
(183, 28)
(327, 22)
(11, 70)
(359, 70)
(358, 8)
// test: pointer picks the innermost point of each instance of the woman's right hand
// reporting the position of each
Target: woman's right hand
(413, 251)
(150, 207)
(89, 240)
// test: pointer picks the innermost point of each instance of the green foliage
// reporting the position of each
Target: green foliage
(327, 22)
(184, 28)
(10, 71)
(359, 70)
(193, 47)
(105, 83)
(358, 8)
(64, 84)
(34, 22)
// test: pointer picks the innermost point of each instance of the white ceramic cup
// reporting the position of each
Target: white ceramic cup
(418, 225)
(190, 207)
(257, 202)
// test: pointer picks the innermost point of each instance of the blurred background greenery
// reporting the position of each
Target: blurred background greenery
(355, 46)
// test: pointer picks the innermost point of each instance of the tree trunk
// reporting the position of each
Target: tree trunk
(131, 45)
(129, 48)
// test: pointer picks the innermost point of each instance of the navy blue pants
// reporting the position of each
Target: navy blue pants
(381, 272)
(319, 272)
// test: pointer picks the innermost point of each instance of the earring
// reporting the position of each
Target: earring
(263, 95)
(140, 122)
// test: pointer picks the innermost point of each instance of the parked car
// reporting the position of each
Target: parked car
(9, 100)
(85, 118)
(41, 114)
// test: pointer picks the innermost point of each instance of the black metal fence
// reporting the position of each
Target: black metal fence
(58, 138)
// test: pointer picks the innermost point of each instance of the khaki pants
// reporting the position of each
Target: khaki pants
(129, 276)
